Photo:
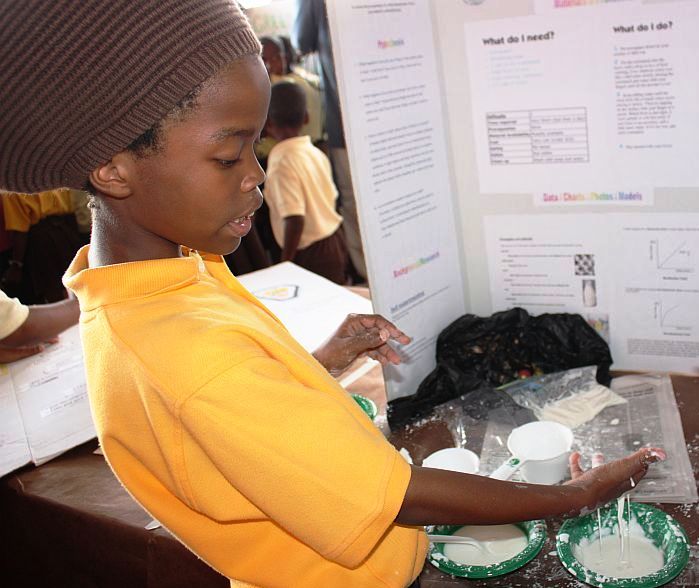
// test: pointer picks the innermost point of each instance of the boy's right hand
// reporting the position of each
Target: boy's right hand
(361, 335)
(608, 481)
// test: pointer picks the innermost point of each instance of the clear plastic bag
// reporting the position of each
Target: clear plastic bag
(572, 397)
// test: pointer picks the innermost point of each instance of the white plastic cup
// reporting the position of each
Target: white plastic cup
(544, 448)
(456, 459)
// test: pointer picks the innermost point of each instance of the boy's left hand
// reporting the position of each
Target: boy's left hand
(358, 335)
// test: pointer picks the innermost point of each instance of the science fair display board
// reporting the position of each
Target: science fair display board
(531, 153)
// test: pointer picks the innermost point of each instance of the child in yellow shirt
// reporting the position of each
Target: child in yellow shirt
(211, 415)
(300, 191)
(44, 235)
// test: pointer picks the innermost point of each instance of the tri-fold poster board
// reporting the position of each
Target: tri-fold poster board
(531, 153)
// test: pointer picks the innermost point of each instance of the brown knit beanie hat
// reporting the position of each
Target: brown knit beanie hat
(81, 79)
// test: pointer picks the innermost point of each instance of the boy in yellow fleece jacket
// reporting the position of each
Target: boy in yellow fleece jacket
(208, 411)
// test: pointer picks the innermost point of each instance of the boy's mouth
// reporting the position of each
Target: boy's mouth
(243, 219)
(241, 226)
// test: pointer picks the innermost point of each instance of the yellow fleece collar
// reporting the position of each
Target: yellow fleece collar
(110, 284)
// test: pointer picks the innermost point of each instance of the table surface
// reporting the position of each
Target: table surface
(69, 522)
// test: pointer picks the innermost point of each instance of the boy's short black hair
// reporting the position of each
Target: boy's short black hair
(150, 141)
(287, 105)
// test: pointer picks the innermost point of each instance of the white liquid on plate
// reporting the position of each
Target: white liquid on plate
(641, 558)
(500, 542)
(647, 558)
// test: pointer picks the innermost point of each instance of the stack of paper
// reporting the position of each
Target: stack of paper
(44, 408)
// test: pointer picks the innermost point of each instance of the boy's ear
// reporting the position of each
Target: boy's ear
(111, 178)
(306, 118)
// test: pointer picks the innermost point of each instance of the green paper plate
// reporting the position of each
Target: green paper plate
(536, 535)
(367, 405)
(664, 531)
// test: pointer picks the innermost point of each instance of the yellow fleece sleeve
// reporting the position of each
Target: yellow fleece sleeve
(12, 315)
(309, 460)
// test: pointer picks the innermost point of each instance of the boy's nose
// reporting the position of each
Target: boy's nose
(253, 179)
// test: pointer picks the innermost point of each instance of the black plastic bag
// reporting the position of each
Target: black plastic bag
(475, 351)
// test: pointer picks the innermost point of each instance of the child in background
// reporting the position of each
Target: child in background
(212, 416)
(44, 236)
(277, 62)
(291, 58)
(300, 192)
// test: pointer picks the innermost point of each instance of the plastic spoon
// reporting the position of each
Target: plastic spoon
(459, 539)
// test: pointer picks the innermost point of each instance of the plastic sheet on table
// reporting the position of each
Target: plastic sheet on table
(648, 417)
(571, 398)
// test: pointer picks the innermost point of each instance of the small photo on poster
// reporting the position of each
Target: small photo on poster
(589, 293)
(584, 264)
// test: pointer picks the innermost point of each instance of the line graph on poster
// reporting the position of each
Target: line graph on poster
(670, 317)
(677, 256)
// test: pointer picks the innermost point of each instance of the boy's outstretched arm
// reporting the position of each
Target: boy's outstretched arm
(444, 497)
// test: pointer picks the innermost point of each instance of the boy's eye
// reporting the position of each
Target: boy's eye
(226, 163)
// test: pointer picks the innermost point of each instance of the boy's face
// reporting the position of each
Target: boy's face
(201, 188)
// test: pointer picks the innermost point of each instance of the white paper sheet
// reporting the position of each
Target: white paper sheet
(656, 293)
(622, 125)
(551, 263)
(52, 397)
(388, 76)
(633, 277)
(14, 451)
(310, 306)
